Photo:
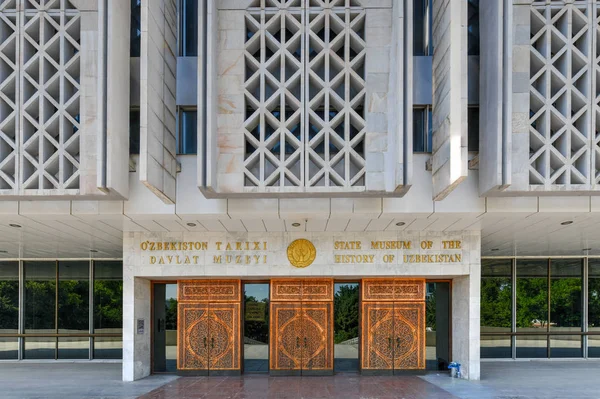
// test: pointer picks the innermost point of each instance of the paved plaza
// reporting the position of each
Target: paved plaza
(500, 380)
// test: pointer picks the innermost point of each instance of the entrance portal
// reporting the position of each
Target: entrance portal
(393, 325)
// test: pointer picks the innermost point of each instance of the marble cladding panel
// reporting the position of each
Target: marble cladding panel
(273, 261)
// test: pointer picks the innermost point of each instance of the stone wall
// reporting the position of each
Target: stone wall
(449, 156)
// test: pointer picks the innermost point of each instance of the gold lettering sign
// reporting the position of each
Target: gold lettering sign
(255, 311)
(301, 253)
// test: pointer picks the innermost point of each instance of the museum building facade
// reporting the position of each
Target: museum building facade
(299, 187)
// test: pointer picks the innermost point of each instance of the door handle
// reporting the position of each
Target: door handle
(205, 342)
(297, 342)
(212, 342)
(305, 342)
(397, 342)
(389, 342)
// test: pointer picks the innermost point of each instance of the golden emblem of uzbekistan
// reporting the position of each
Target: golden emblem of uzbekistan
(301, 253)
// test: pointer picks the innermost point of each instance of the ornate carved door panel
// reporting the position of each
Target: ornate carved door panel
(393, 325)
(301, 326)
(317, 334)
(377, 330)
(224, 336)
(209, 337)
(192, 336)
(286, 333)
(409, 336)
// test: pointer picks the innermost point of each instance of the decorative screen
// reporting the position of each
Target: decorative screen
(562, 84)
(39, 95)
(304, 94)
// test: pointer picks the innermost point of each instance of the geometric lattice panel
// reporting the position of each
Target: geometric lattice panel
(50, 95)
(273, 127)
(9, 82)
(561, 65)
(336, 97)
(304, 94)
(39, 95)
(595, 93)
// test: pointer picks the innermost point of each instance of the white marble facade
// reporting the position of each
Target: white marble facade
(431, 255)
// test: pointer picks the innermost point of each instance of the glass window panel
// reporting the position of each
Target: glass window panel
(429, 129)
(108, 297)
(532, 295)
(565, 346)
(73, 348)
(422, 28)
(256, 328)
(594, 294)
(9, 298)
(496, 295)
(495, 346)
(134, 131)
(593, 345)
(73, 297)
(473, 27)
(566, 294)
(532, 346)
(39, 348)
(345, 327)
(437, 321)
(9, 348)
(473, 128)
(40, 297)
(189, 28)
(108, 348)
(188, 132)
(171, 326)
(136, 28)
(419, 126)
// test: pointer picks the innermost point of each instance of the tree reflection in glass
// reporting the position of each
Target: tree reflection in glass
(256, 328)
(345, 326)
(532, 307)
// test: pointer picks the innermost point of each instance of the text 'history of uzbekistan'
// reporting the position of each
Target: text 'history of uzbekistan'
(344, 252)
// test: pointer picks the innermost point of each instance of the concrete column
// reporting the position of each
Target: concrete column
(465, 321)
(136, 345)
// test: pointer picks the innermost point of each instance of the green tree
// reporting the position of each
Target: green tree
(565, 302)
(345, 303)
(430, 314)
(171, 314)
(496, 302)
(108, 304)
(9, 304)
(532, 302)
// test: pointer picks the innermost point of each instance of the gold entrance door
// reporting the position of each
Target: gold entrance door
(392, 325)
(193, 337)
(209, 327)
(377, 332)
(286, 337)
(317, 336)
(301, 327)
(408, 339)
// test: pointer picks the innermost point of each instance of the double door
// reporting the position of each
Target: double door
(301, 327)
(209, 327)
(393, 326)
